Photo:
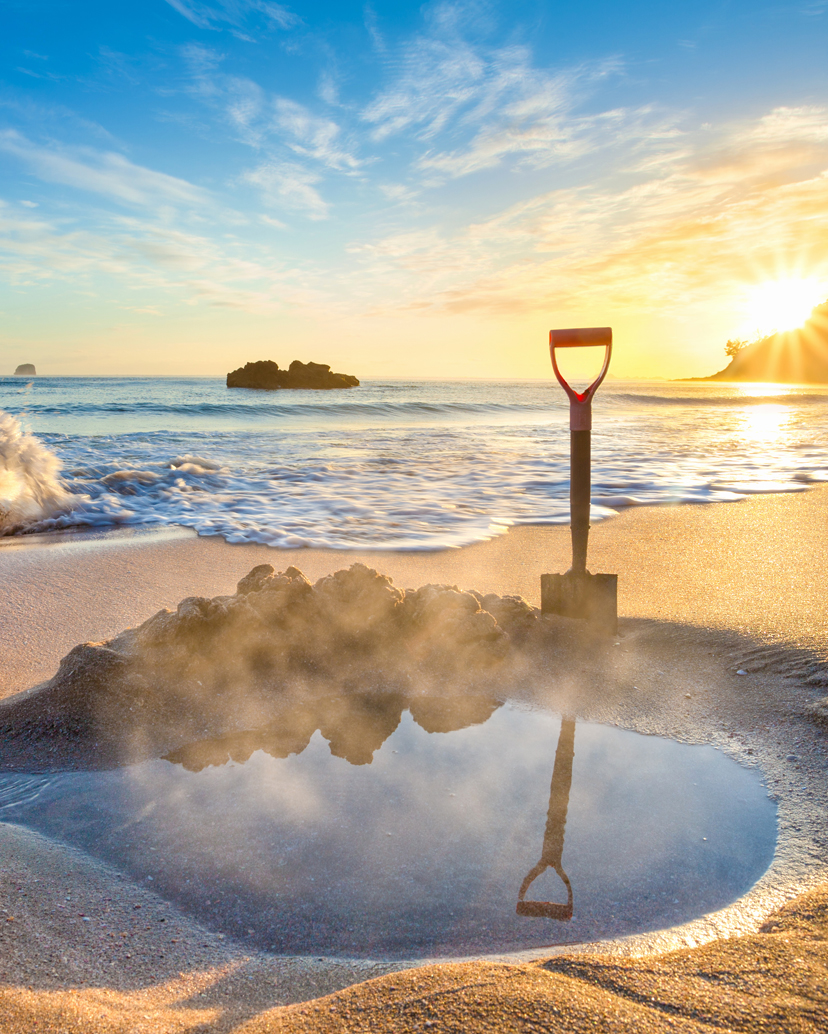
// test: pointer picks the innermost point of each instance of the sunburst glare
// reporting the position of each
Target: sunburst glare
(783, 304)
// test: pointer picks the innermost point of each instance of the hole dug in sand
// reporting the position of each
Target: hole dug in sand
(347, 769)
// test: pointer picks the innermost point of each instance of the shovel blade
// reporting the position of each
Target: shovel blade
(545, 910)
(593, 597)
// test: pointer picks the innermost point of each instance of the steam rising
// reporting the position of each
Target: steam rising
(31, 492)
(316, 839)
(271, 664)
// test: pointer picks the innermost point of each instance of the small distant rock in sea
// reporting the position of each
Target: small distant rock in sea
(267, 375)
(25, 370)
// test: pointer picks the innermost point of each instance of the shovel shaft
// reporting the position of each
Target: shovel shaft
(579, 496)
(553, 838)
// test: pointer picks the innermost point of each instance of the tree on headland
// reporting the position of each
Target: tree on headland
(734, 346)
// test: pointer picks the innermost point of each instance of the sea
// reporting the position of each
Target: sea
(390, 465)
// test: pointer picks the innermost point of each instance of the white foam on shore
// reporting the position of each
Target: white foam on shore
(31, 490)
(400, 466)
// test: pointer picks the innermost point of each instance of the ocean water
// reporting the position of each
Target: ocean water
(390, 465)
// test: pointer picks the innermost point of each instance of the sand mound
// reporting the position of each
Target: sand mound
(216, 667)
(281, 657)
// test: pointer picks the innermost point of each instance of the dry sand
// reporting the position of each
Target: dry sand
(704, 592)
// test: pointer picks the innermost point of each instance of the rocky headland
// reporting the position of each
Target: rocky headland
(25, 370)
(266, 375)
(791, 357)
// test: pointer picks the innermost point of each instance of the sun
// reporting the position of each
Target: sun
(778, 305)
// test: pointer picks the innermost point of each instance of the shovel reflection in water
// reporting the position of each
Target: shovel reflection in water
(553, 838)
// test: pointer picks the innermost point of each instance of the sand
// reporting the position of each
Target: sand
(704, 592)
(759, 567)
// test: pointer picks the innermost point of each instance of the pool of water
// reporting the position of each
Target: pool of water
(379, 831)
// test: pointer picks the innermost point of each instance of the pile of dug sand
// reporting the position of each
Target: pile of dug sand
(246, 661)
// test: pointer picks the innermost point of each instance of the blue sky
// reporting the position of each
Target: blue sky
(404, 189)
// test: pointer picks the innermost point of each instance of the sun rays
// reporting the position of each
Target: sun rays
(783, 304)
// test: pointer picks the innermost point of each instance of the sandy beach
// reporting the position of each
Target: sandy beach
(327, 331)
(704, 592)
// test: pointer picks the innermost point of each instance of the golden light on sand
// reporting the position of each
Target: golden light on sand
(783, 304)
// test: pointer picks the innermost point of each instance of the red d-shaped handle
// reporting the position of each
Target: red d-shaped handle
(578, 338)
(580, 403)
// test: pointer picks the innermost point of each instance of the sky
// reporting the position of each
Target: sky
(405, 190)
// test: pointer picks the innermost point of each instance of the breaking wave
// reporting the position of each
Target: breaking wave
(31, 490)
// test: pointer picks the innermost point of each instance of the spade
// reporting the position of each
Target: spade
(579, 594)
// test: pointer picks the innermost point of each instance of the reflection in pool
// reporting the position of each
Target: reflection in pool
(553, 837)
(415, 833)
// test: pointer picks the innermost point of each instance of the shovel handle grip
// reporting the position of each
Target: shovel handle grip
(580, 403)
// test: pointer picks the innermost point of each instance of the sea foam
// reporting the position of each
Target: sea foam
(31, 491)
(396, 465)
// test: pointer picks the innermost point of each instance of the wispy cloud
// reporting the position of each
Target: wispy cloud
(784, 124)
(711, 208)
(32, 250)
(235, 13)
(267, 122)
(170, 249)
(659, 231)
(543, 132)
(327, 89)
(371, 24)
(105, 173)
(118, 66)
(289, 185)
(473, 106)
(398, 191)
(161, 263)
(312, 136)
(437, 79)
(245, 104)
(637, 207)
(294, 144)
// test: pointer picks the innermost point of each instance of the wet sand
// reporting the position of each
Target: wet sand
(704, 592)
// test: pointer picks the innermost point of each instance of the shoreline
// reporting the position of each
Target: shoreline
(759, 567)
(703, 591)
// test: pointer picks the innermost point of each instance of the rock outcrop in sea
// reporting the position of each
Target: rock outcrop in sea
(25, 370)
(792, 357)
(267, 375)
